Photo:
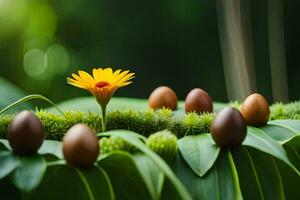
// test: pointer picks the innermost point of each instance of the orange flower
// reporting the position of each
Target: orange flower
(103, 83)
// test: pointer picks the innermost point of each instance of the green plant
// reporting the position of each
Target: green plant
(266, 166)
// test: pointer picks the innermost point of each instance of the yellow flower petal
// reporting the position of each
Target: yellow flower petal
(126, 78)
(87, 77)
(120, 76)
(125, 83)
(103, 83)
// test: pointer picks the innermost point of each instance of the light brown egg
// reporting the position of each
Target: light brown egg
(198, 101)
(163, 96)
(255, 110)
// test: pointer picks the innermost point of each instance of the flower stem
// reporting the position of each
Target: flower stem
(103, 119)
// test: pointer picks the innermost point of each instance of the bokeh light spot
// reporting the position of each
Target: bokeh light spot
(35, 62)
(58, 58)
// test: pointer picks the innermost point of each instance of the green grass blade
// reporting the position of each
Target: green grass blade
(29, 97)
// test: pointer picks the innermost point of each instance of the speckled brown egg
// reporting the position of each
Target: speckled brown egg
(198, 101)
(80, 146)
(163, 96)
(255, 110)
(228, 129)
(25, 134)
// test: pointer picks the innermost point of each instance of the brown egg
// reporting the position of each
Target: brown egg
(198, 101)
(255, 110)
(25, 134)
(163, 96)
(228, 129)
(80, 146)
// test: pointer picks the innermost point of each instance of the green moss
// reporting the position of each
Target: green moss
(285, 111)
(143, 122)
(5, 121)
(235, 104)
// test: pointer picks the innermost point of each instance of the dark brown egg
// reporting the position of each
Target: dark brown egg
(228, 129)
(25, 134)
(80, 146)
(255, 110)
(163, 96)
(198, 101)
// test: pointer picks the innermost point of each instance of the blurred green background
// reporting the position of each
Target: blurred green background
(170, 42)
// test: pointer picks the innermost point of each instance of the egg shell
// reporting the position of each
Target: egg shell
(163, 96)
(255, 110)
(228, 129)
(80, 146)
(25, 134)
(198, 101)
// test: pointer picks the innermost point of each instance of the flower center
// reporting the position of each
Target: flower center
(102, 84)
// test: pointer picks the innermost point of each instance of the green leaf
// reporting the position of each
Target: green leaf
(30, 172)
(89, 104)
(153, 177)
(52, 147)
(124, 175)
(9, 94)
(8, 163)
(292, 147)
(258, 174)
(199, 152)
(278, 132)
(132, 139)
(5, 145)
(290, 181)
(8, 190)
(97, 183)
(284, 131)
(220, 182)
(288, 123)
(64, 182)
(258, 139)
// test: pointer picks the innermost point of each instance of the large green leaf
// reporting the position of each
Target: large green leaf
(258, 139)
(285, 131)
(30, 172)
(125, 177)
(10, 93)
(8, 191)
(153, 177)
(292, 147)
(97, 183)
(258, 174)
(63, 182)
(288, 123)
(89, 104)
(199, 152)
(134, 139)
(220, 182)
(8, 163)
(279, 133)
(290, 181)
